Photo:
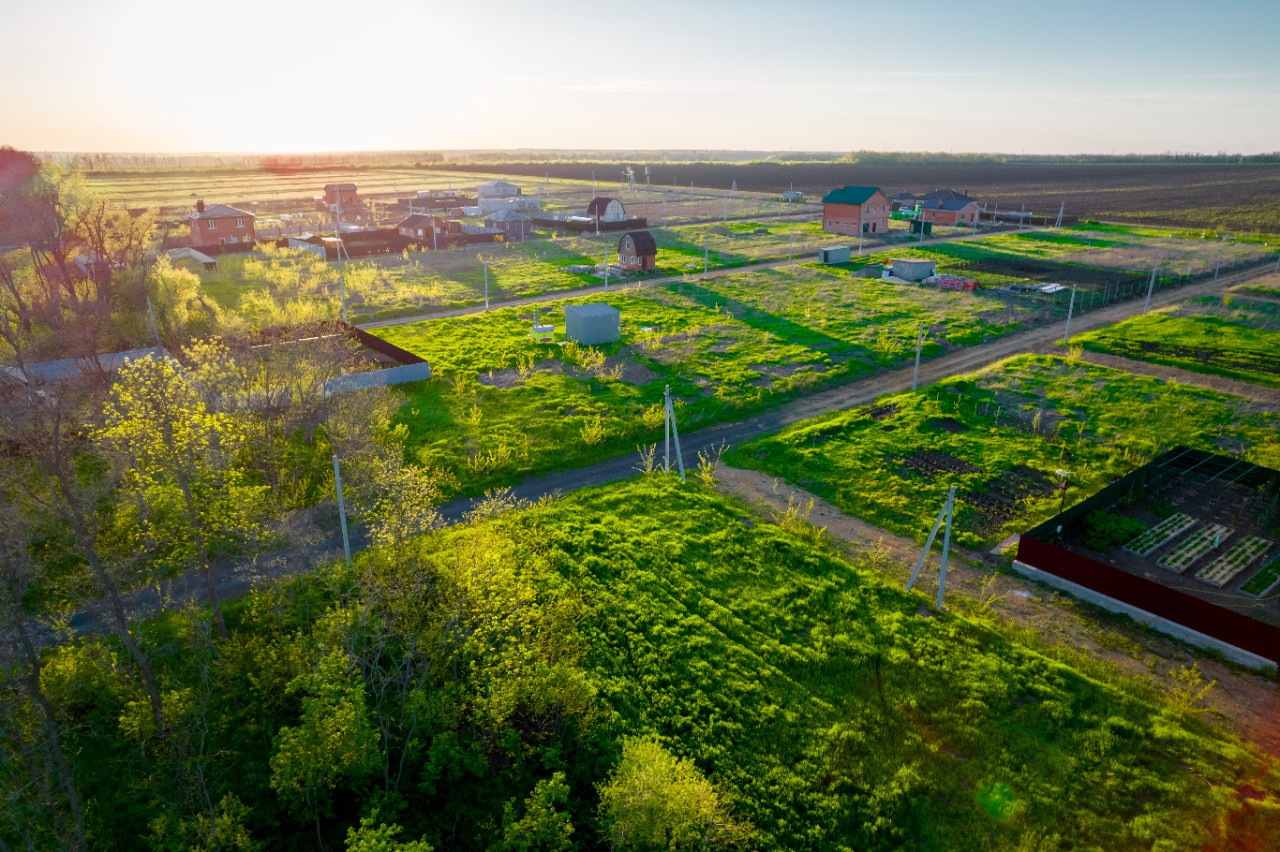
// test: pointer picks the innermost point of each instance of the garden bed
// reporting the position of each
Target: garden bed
(1262, 583)
(1201, 542)
(1160, 535)
(1242, 554)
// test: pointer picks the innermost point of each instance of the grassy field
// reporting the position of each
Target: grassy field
(1230, 336)
(999, 436)
(839, 717)
(1089, 254)
(501, 406)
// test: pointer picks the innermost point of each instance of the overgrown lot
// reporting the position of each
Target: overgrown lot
(477, 688)
(1232, 336)
(501, 406)
(1000, 436)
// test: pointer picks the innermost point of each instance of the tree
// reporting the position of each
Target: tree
(17, 571)
(543, 827)
(186, 498)
(375, 836)
(654, 800)
(333, 741)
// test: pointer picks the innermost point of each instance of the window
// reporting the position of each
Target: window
(239, 223)
(213, 224)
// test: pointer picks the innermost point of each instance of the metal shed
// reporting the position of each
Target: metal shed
(835, 254)
(592, 324)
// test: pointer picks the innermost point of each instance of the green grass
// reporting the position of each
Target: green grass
(1205, 336)
(1261, 581)
(838, 716)
(727, 347)
(1031, 412)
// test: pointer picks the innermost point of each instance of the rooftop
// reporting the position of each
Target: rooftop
(219, 211)
(850, 195)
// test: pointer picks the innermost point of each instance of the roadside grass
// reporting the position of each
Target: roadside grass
(500, 406)
(999, 435)
(1221, 336)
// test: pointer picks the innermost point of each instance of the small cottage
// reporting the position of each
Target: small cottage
(637, 251)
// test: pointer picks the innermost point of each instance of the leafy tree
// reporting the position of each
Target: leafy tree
(187, 499)
(655, 800)
(373, 836)
(543, 827)
(334, 740)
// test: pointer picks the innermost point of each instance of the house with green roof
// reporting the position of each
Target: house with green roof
(855, 210)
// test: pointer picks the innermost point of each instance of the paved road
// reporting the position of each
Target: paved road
(234, 579)
(617, 286)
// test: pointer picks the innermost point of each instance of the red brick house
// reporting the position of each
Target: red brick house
(855, 209)
(220, 225)
(637, 251)
(342, 194)
(426, 230)
(950, 211)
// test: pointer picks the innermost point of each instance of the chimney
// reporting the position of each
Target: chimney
(200, 206)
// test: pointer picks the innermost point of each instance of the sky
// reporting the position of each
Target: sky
(1033, 76)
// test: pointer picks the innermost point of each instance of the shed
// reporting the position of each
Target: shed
(913, 268)
(592, 324)
(835, 254)
(606, 209)
(515, 225)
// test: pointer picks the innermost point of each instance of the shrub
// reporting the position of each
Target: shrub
(1105, 529)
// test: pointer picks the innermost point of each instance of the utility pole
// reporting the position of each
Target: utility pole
(1022, 217)
(915, 379)
(791, 244)
(155, 332)
(948, 510)
(1061, 208)
(486, 285)
(606, 269)
(1150, 287)
(1218, 265)
(706, 252)
(1066, 334)
(672, 430)
(342, 510)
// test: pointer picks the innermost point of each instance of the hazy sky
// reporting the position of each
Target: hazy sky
(950, 75)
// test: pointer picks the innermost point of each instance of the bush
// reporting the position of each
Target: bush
(1105, 529)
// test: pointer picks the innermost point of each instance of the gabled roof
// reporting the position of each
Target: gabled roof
(598, 205)
(950, 203)
(414, 220)
(506, 215)
(643, 240)
(850, 195)
(341, 186)
(219, 211)
(930, 198)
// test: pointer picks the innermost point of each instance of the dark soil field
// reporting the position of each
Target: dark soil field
(1226, 197)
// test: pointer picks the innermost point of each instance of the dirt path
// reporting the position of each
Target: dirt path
(1261, 393)
(630, 284)
(1243, 703)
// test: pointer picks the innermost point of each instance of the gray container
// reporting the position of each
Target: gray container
(592, 324)
(835, 254)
